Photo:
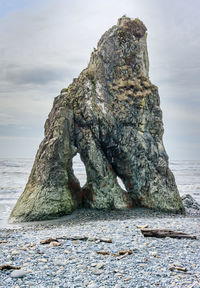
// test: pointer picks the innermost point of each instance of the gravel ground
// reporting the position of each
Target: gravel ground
(76, 263)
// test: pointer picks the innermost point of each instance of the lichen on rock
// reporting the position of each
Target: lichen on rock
(111, 115)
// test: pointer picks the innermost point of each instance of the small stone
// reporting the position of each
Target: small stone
(23, 248)
(142, 265)
(59, 271)
(142, 226)
(154, 254)
(117, 286)
(97, 272)
(31, 245)
(14, 252)
(92, 285)
(54, 244)
(100, 265)
(39, 252)
(116, 271)
(43, 260)
(127, 279)
(60, 262)
(18, 273)
(67, 251)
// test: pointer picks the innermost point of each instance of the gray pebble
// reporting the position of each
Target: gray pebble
(18, 273)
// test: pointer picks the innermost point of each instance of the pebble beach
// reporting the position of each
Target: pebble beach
(103, 249)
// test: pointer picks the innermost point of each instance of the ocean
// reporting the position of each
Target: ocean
(14, 174)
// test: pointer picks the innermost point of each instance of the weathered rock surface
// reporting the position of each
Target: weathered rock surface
(110, 115)
(190, 203)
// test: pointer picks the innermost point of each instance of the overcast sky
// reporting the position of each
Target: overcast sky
(45, 44)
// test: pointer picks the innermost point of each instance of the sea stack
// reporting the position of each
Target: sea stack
(111, 116)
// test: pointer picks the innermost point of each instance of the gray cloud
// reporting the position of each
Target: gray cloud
(36, 76)
(6, 119)
(47, 43)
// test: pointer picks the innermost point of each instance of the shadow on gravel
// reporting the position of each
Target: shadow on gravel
(83, 215)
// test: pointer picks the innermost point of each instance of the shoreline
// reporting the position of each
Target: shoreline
(84, 215)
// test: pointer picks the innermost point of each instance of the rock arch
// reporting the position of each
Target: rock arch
(111, 115)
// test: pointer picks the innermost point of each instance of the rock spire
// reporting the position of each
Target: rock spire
(111, 115)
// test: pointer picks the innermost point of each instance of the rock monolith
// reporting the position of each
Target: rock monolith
(111, 115)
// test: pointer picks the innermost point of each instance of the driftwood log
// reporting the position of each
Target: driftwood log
(85, 238)
(9, 267)
(173, 268)
(162, 233)
(72, 238)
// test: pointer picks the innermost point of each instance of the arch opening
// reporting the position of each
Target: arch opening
(79, 169)
(120, 183)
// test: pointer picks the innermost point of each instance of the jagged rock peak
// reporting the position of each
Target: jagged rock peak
(111, 115)
(136, 26)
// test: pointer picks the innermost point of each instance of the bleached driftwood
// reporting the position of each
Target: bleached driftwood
(75, 238)
(162, 233)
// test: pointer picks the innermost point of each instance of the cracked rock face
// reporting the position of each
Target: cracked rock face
(111, 115)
